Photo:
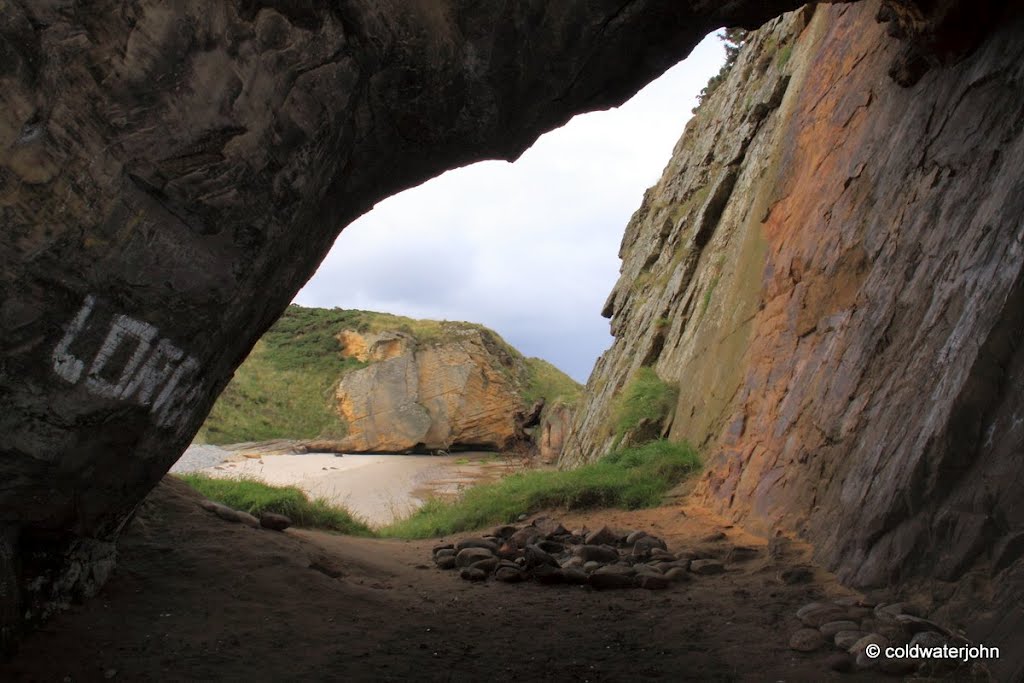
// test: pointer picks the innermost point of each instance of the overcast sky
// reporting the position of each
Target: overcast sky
(529, 249)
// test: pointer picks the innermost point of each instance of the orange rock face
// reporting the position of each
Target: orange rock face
(832, 269)
(460, 393)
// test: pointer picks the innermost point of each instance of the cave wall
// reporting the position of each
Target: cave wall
(171, 174)
(831, 270)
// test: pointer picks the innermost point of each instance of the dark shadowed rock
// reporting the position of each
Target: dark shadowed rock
(163, 202)
(831, 628)
(706, 567)
(476, 542)
(445, 562)
(806, 640)
(602, 536)
(469, 556)
(596, 553)
(274, 521)
(473, 574)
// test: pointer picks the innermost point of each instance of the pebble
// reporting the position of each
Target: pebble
(844, 640)
(473, 574)
(870, 639)
(508, 575)
(822, 615)
(652, 583)
(602, 536)
(677, 574)
(224, 512)
(274, 521)
(525, 537)
(620, 569)
(706, 567)
(596, 553)
(505, 531)
(477, 542)
(635, 536)
(469, 556)
(445, 562)
(831, 628)
(247, 519)
(714, 537)
(487, 566)
(929, 639)
(806, 640)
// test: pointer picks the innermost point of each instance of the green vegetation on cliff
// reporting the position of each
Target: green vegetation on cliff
(286, 388)
(646, 398)
(628, 478)
(548, 382)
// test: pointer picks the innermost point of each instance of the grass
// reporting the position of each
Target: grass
(546, 381)
(285, 388)
(256, 497)
(629, 478)
(706, 300)
(645, 397)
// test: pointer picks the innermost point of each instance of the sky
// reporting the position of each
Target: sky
(529, 249)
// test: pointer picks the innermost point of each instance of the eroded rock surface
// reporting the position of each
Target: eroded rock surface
(170, 174)
(464, 392)
(831, 269)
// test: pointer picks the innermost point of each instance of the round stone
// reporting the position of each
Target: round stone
(806, 640)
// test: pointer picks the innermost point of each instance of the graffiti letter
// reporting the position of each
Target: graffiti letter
(122, 327)
(65, 365)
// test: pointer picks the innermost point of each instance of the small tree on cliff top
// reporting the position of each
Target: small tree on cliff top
(734, 39)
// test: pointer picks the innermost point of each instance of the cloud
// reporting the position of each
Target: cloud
(529, 249)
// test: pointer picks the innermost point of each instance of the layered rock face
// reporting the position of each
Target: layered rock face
(170, 174)
(464, 393)
(831, 269)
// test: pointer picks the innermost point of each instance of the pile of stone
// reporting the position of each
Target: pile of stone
(862, 629)
(266, 520)
(546, 552)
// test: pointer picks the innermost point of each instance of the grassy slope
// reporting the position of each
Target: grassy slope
(285, 387)
(256, 497)
(629, 478)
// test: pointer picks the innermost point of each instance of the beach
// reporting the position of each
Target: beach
(376, 488)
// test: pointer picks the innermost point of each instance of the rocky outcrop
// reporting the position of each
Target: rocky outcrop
(462, 393)
(831, 270)
(553, 432)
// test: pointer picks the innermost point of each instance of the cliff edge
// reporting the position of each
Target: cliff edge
(830, 270)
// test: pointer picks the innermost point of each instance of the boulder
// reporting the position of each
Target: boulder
(274, 521)
(469, 556)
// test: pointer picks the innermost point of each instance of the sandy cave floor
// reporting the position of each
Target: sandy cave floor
(195, 598)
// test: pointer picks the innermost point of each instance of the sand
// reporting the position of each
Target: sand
(376, 488)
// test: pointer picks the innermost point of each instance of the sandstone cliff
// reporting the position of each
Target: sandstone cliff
(830, 269)
(363, 382)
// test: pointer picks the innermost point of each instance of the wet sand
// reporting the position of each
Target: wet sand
(376, 488)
